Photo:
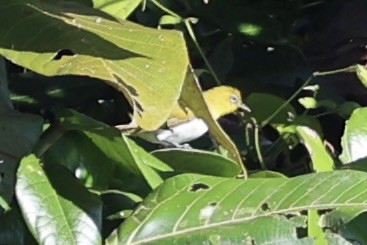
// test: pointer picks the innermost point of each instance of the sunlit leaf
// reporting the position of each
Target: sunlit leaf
(117, 8)
(194, 207)
(147, 65)
(362, 74)
(121, 153)
(354, 139)
(321, 159)
(56, 208)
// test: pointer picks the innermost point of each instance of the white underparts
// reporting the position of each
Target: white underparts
(183, 132)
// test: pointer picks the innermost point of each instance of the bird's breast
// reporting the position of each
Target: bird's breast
(184, 132)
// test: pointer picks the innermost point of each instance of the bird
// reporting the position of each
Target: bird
(182, 124)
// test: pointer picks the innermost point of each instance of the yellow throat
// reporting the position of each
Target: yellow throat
(221, 100)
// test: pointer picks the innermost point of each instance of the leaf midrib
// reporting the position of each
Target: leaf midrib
(247, 219)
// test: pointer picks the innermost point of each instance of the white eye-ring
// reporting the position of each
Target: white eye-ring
(234, 99)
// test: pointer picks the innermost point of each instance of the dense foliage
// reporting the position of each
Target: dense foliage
(291, 171)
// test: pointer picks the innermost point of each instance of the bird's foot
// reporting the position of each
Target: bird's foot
(183, 146)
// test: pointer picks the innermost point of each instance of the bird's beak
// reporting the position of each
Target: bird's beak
(245, 107)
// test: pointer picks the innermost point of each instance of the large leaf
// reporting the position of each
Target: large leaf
(197, 161)
(320, 157)
(59, 38)
(197, 208)
(57, 209)
(354, 140)
(77, 152)
(110, 150)
(18, 134)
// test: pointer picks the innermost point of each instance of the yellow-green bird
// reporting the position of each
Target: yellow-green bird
(184, 127)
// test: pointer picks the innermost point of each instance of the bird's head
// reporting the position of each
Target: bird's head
(223, 100)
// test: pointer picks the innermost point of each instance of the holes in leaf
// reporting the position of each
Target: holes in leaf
(199, 186)
(301, 232)
(61, 53)
(324, 211)
(213, 204)
(265, 207)
(132, 91)
(139, 107)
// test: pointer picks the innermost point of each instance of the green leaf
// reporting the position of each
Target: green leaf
(346, 109)
(321, 159)
(308, 102)
(197, 208)
(118, 203)
(355, 230)
(197, 161)
(354, 139)
(362, 74)
(76, 151)
(54, 199)
(112, 147)
(266, 105)
(118, 8)
(169, 20)
(148, 66)
(19, 133)
(267, 174)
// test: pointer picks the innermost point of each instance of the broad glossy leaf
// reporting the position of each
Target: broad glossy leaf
(354, 140)
(194, 208)
(114, 148)
(118, 8)
(355, 230)
(60, 38)
(18, 134)
(362, 74)
(83, 158)
(197, 161)
(346, 109)
(55, 206)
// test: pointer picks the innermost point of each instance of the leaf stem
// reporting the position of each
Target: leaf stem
(271, 117)
(333, 72)
(49, 137)
(194, 39)
(164, 9)
(191, 32)
(257, 143)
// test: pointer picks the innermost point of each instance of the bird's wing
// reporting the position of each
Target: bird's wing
(179, 115)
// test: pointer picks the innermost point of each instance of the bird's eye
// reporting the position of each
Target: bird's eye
(234, 99)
